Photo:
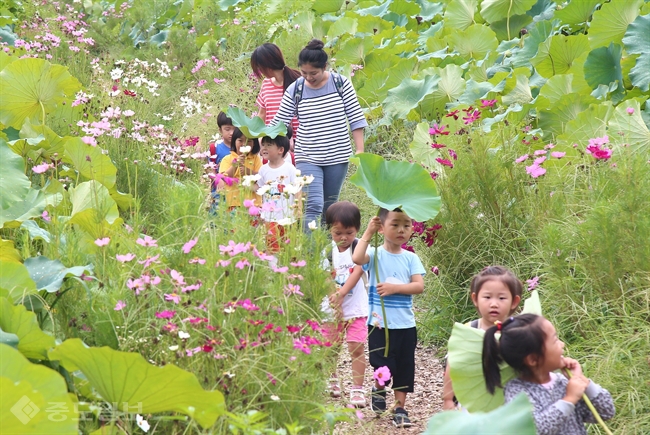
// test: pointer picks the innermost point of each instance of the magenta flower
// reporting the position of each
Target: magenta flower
(558, 154)
(147, 241)
(102, 242)
(522, 158)
(630, 111)
(532, 283)
(43, 167)
(535, 170)
(119, 305)
(453, 113)
(471, 117)
(453, 154)
(187, 247)
(435, 270)
(488, 103)
(437, 146)
(173, 297)
(248, 305)
(166, 314)
(302, 346)
(125, 258)
(382, 375)
(438, 130)
(445, 162)
(46, 216)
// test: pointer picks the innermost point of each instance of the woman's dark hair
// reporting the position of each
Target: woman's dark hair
(520, 336)
(499, 273)
(281, 141)
(269, 57)
(236, 135)
(345, 213)
(313, 54)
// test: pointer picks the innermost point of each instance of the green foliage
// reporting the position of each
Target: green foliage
(254, 127)
(15, 281)
(636, 41)
(32, 342)
(394, 185)
(123, 377)
(49, 274)
(514, 418)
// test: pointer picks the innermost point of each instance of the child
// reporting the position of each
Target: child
(496, 293)
(529, 344)
(343, 220)
(231, 168)
(218, 151)
(278, 202)
(400, 277)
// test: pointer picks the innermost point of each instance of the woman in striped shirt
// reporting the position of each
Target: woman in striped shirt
(327, 109)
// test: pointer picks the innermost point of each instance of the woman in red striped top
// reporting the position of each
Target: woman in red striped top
(267, 61)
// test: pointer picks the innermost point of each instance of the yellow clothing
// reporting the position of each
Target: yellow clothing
(236, 194)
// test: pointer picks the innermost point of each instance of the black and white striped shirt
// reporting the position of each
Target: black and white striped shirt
(323, 136)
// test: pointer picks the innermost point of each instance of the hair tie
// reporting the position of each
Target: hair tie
(499, 325)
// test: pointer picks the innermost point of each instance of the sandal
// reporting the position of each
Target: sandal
(334, 387)
(358, 398)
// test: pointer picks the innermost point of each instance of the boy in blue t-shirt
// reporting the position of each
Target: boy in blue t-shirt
(400, 277)
(218, 151)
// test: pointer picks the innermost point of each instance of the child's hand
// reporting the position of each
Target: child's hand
(373, 227)
(386, 289)
(576, 388)
(335, 299)
(448, 405)
(573, 365)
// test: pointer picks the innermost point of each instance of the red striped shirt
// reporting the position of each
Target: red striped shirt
(269, 98)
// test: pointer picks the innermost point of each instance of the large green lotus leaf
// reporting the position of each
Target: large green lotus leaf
(532, 305)
(327, 6)
(6, 59)
(28, 391)
(90, 162)
(354, 50)
(558, 54)
(560, 85)
(495, 10)
(421, 147)
(511, 111)
(32, 342)
(429, 10)
(376, 88)
(634, 130)
(475, 91)
(8, 253)
(15, 281)
(49, 274)
(460, 14)
(520, 94)
(53, 143)
(14, 184)
(255, 127)
(127, 377)
(507, 29)
(515, 418)
(603, 66)
(9, 339)
(30, 86)
(537, 34)
(611, 21)
(342, 26)
(555, 119)
(92, 208)
(576, 12)
(466, 370)
(637, 41)
(474, 42)
(406, 97)
(392, 184)
(404, 7)
(449, 89)
(589, 124)
(36, 232)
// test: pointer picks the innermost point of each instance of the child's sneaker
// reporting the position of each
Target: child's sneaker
(378, 401)
(401, 418)
(358, 398)
(334, 388)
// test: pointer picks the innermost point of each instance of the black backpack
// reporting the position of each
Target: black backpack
(300, 86)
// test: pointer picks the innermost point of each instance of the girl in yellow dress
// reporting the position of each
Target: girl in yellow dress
(243, 160)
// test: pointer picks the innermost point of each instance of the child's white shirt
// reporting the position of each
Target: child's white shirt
(276, 204)
(355, 303)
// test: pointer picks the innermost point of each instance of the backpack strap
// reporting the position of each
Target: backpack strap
(338, 83)
(474, 324)
(364, 275)
(297, 94)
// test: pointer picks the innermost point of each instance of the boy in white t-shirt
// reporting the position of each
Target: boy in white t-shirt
(279, 189)
(348, 306)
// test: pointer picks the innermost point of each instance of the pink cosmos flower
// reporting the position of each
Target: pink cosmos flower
(302, 346)
(445, 162)
(540, 153)
(437, 146)
(248, 203)
(300, 263)
(197, 260)
(173, 297)
(176, 276)
(282, 269)
(187, 247)
(190, 288)
(241, 264)
(292, 289)
(558, 154)
(46, 216)
(166, 314)
(119, 305)
(453, 154)
(147, 241)
(471, 117)
(535, 170)
(539, 160)
(102, 242)
(248, 305)
(293, 329)
(532, 283)
(488, 103)
(630, 111)
(43, 167)
(125, 258)
(382, 375)
(522, 158)
(254, 210)
(222, 263)
(89, 140)
(438, 130)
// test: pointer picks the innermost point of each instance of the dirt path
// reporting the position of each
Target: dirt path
(421, 404)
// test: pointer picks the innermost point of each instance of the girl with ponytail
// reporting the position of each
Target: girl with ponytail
(529, 344)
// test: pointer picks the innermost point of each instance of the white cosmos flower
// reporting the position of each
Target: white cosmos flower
(262, 190)
(274, 397)
(245, 149)
(183, 334)
(307, 179)
(292, 189)
(298, 172)
(229, 310)
(250, 179)
(312, 225)
(173, 348)
(285, 221)
(116, 74)
(142, 423)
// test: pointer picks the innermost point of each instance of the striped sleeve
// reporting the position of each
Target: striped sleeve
(353, 110)
(261, 101)
(287, 107)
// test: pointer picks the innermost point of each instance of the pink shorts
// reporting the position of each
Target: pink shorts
(355, 331)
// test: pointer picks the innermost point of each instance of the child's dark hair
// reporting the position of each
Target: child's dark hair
(269, 57)
(313, 54)
(520, 336)
(236, 135)
(499, 273)
(383, 213)
(344, 213)
(223, 119)
(281, 141)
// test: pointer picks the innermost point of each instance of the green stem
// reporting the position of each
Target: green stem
(381, 298)
(590, 405)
